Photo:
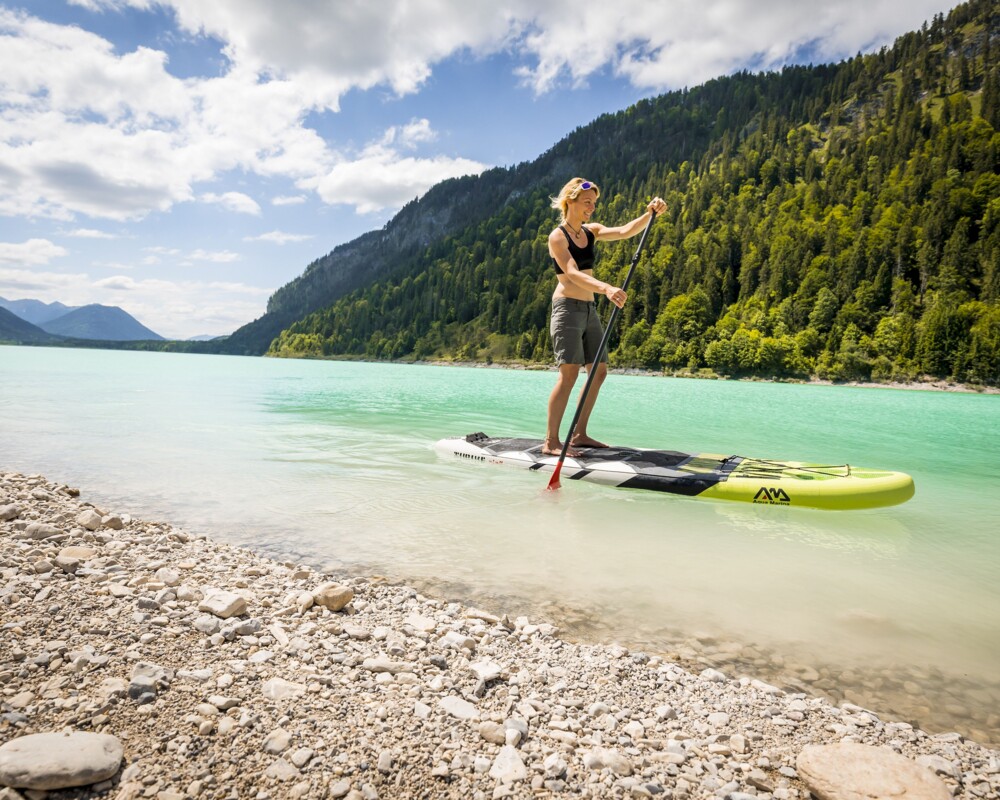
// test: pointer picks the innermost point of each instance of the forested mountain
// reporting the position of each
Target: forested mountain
(841, 221)
(15, 330)
(95, 321)
(35, 311)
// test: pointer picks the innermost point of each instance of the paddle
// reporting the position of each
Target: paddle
(554, 481)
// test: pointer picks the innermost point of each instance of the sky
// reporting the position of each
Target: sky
(182, 159)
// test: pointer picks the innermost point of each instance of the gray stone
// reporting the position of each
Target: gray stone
(49, 761)
(849, 771)
(9, 512)
(281, 770)
(340, 788)
(41, 530)
(207, 624)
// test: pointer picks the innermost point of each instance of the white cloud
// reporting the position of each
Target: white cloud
(218, 257)
(289, 200)
(115, 265)
(90, 233)
(175, 309)
(116, 283)
(86, 129)
(30, 253)
(659, 45)
(416, 132)
(278, 237)
(381, 179)
(233, 201)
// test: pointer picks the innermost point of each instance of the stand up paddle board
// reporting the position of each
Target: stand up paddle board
(701, 475)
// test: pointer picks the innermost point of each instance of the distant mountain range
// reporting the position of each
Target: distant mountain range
(20, 331)
(32, 321)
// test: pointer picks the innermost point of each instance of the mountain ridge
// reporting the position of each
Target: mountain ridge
(93, 322)
(839, 222)
(19, 331)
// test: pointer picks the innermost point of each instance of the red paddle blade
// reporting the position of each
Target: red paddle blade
(554, 480)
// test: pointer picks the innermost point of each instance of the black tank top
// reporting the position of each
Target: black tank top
(583, 256)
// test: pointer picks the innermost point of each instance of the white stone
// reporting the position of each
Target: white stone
(492, 732)
(382, 663)
(48, 761)
(458, 641)
(223, 604)
(459, 708)
(280, 689)
(420, 623)
(79, 552)
(167, 576)
(277, 741)
(850, 771)
(89, 519)
(508, 766)
(9, 512)
(605, 758)
(486, 670)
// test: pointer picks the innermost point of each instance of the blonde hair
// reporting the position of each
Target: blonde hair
(570, 192)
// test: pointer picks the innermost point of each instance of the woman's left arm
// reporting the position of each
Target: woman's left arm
(605, 234)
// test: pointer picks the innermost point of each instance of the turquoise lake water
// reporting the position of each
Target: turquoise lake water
(332, 463)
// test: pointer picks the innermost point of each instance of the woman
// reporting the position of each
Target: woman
(575, 327)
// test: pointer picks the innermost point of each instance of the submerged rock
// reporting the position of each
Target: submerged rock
(849, 771)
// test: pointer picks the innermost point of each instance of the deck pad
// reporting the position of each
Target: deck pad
(701, 475)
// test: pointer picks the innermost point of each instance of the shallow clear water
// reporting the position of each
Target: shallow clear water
(332, 462)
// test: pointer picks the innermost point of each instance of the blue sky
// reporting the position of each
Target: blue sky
(182, 159)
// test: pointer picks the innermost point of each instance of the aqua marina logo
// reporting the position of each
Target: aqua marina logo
(776, 495)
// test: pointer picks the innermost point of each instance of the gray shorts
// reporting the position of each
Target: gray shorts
(576, 331)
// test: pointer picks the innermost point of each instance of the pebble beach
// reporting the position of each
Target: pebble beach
(141, 661)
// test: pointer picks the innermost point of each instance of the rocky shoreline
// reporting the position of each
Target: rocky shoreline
(139, 661)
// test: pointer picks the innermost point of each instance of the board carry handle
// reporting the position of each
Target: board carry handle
(615, 310)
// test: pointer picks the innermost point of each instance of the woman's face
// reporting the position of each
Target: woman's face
(585, 203)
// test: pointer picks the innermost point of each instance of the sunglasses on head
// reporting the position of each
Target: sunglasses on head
(586, 185)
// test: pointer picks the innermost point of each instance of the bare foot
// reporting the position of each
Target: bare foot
(556, 450)
(582, 440)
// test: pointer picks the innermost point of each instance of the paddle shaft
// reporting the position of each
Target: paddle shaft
(554, 480)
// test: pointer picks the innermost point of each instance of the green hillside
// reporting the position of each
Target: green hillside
(841, 221)
(14, 330)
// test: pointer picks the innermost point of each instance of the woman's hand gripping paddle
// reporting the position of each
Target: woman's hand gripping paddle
(554, 480)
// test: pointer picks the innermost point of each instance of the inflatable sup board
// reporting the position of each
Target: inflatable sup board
(701, 475)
